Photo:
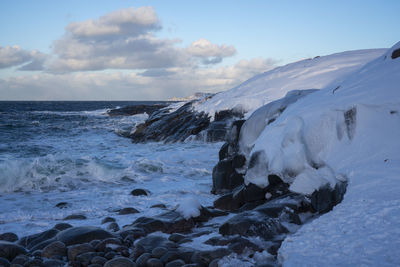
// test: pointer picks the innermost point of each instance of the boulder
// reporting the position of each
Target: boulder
(120, 262)
(129, 210)
(76, 250)
(75, 217)
(10, 237)
(10, 250)
(224, 177)
(56, 248)
(252, 223)
(82, 234)
(107, 220)
(38, 241)
(140, 192)
(396, 53)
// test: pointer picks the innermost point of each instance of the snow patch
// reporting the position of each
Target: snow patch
(189, 207)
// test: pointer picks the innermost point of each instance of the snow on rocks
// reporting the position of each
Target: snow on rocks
(189, 207)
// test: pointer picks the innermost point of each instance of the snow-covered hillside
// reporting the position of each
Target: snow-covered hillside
(313, 73)
(346, 132)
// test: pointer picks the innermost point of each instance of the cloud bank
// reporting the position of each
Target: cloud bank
(119, 56)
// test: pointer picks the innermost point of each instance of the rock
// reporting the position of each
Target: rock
(53, 263)
(86, 258)
(324, 199)
(98, 260)
(110, 255)
(34, 263)
(4, 262)
(237, 243)
(140, 192)
(56, 248)
(107, 220)
(120, 262)
(175, 263)
(169, 222)
(152, 241)
(10, 237)
(152, 262)
(126, 211)
(142, 260)
(95, 265)
(238, 161)
(136, 109)
(75, 217)
(10, 250)
(20, 259)
(62, 226)
(62, 205)
(223, 152)
(216, 131)
(175, 237)
(75, 250)
(225, 202)
(113, 227)
(133, 232)
(251, 223)
(137, 252)
(82, 234)
(161, 206)
(109, 241)
(252, 192)
(169, 256)
(224, 177)
(396, 53)
(32, 241)
(158, 252)
(214, 263)
(204, 258)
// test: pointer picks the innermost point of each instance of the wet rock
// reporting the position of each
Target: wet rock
(140, 192)
(152, 241)
(62, 205)
(251, 223)
(32, 241)
(169, 256)
(110, 255)
(142, 260)
(129, 210)
(175, 237)
(237, 243)
(53, 263)
(204, 258)
(238, 161)
(20, 259)
(175, 263)
(137, 251)
(120, 262)
(107, 220)
(106, 242)
(95, 265)
(75, 250)
(82, 234)
(223, 152)
(113, 227)
(136, 109)
(34, 263)
(98, 260)
(75, 217)
(4, 262)
(161, 206)
(56, 248)
(62, 226)
(133, 232)
(86, 258)
(324, 199)
(10, 250)
(10, 237)
(396, 53)
(158, 252)
(224, 177)
(226, 202)
(152, 262)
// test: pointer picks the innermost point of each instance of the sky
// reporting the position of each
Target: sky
(156, 50)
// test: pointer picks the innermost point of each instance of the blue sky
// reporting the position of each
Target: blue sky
(270, 33)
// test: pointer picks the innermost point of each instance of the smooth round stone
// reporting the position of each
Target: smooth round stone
(120, 262)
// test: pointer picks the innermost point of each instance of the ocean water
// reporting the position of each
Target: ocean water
(73, 152)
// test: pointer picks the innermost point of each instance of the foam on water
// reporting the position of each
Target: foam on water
(77, 157)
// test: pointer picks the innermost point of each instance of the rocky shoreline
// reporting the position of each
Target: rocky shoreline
(246, 222)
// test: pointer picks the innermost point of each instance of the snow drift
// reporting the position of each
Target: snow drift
(348, 130)
(313, 73)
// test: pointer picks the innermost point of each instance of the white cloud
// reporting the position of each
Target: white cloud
(11, 56)
(210, 53)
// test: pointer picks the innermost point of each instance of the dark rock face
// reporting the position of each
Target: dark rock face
(178, 125)
(324, 199)
(252, 223)
(225, 178)
(10, 250)
(82, 234)
(396, 53)
(137, 109)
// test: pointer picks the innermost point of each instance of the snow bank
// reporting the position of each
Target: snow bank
(349, 131)
(313, 73)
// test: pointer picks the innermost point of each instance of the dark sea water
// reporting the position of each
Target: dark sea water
(73, 152)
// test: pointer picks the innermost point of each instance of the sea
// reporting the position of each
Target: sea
(73, 152)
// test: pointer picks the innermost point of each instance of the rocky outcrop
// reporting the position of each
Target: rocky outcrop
(185, 122)
(137, 109)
